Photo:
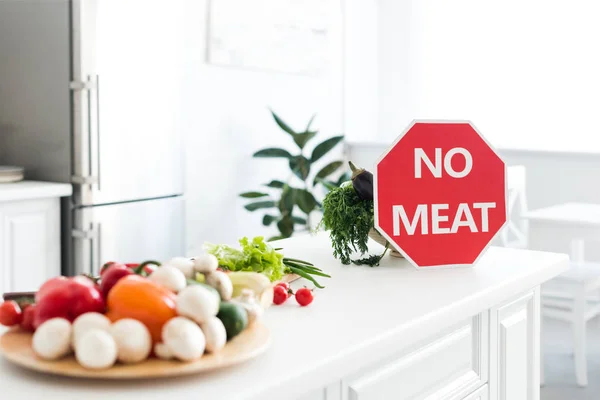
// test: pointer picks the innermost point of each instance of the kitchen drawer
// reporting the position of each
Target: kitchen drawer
(515, 353)
(483, 393)
(450, 366)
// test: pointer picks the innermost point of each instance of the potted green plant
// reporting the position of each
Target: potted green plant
(288, 203)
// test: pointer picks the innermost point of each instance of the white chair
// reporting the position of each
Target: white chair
(573, 296)
(515, 232)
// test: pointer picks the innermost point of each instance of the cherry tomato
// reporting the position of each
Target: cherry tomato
(304, 296)
(28, 316)
(10, 313)
(286, 286)
(280, 295)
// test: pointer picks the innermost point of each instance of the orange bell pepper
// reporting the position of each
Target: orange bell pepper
(136, 297)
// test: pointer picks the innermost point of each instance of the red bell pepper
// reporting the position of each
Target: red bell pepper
(67, 298)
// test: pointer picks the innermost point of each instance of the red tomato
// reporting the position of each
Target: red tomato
(105, 267)
(78, 295)
(280, 295)
(10, 313)
(49, 285)
(28, 316)
(304, 296)
(148, 268)
(112, 275)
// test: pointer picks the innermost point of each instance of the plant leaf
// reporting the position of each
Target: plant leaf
(272, 153)
(275, 184)
(310, 122)
(253, 195)
(300, 166)
(286, 204)
(286, 226)
(282, 124)
(299, 220)
(324, 147)
(328, 184)
(273, 238)
(327, 170)
(305, 200)
(343, 178)
(260, 204)
(302, 138)
(268, 219)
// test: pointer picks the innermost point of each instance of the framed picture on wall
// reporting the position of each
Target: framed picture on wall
(290, 36)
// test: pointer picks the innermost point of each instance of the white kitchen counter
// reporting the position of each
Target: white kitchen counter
(363, 316)
(30, 235)
(27, 190)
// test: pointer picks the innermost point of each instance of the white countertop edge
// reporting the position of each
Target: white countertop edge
(28, 190)
(369, 353)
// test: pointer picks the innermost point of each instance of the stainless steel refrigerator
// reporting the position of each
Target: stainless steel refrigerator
(88, 95)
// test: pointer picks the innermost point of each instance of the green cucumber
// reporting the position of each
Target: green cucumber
(234, 317)
(211, 289)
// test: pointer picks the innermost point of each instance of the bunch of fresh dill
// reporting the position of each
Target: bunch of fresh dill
(349, 220)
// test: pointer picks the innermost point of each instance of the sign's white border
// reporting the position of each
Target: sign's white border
(375, 197)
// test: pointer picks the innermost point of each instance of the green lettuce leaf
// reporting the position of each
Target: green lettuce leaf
(255, 255)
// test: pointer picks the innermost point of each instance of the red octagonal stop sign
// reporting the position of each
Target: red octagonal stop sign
(440, 194)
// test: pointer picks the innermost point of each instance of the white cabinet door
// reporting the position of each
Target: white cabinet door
(29, 243)
(515, 353)
(480, 394)
(448, 366)
(331, 392)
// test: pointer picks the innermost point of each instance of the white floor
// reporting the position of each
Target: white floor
(560, 373)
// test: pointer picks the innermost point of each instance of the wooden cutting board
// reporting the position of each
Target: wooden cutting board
(15, 346)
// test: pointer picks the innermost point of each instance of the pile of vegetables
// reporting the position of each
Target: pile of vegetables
(258, 256)
(349, 216)
(180, 309)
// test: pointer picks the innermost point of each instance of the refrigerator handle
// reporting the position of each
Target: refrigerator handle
(91, 132)
(89, 255)
(98, 179)
(98, 240)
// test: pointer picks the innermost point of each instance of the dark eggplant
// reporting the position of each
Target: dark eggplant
(362, 181)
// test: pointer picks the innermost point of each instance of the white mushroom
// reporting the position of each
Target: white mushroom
(87, 321)
(169, 277)
(183, 264)
(162, 351)
(252, 307)
(133, 340)
(52, 339)
(96, 349)
(184, 339)
(220, 281)
(205, 263)
(215, 334)
(197, 303)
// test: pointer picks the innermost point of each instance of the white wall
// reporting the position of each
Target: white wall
(226, 119)
(524, 72)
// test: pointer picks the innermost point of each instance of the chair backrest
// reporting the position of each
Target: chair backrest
(515, 232)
